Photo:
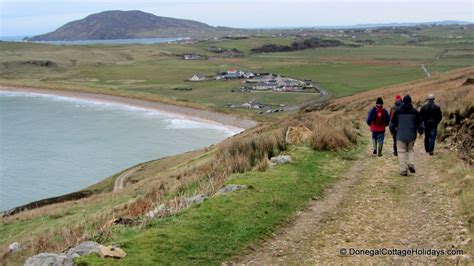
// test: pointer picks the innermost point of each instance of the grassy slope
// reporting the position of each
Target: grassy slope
(225, 225)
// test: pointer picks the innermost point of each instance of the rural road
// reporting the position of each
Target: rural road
(372, 207)
(428, 74)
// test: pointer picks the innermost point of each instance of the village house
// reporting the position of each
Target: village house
(194, 57)
(197, 77)
(232, 73)
(249, 75)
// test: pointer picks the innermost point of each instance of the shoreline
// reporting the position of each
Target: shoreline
(230, 122)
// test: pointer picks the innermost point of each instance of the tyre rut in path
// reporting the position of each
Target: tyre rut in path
(373, 207)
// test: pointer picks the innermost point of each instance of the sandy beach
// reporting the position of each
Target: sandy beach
(229, 121)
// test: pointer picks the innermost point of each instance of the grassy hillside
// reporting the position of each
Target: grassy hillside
(275, 193)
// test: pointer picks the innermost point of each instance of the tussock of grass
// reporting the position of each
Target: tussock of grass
(332, 133)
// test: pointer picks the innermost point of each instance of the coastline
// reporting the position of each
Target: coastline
(228, 121)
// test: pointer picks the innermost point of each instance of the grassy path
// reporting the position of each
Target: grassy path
(373, 207)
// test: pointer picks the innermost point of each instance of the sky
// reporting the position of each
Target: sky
(31, 17)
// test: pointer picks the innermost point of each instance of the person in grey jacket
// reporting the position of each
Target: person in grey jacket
(406, 122)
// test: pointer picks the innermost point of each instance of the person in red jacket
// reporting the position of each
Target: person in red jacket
(378, 119)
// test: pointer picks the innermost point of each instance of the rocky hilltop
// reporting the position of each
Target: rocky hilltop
(125, 25)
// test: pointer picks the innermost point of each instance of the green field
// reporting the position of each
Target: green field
(153, 71)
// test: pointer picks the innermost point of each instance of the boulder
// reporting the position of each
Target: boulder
(84, 248)
(160, 209)
(198, 199)
(231, 188)
(15, 246)
(298, 135)
(281, 159)
(112, 252)
(50, 259)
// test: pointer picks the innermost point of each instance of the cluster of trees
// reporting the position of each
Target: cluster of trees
(314, 42)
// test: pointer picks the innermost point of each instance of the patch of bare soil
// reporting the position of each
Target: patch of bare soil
(373, 207)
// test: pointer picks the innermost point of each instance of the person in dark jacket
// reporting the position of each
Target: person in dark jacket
(406, 122)
(431, 117)
(395, 107)
(378, 119)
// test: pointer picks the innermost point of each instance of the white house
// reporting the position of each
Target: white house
(197, 77)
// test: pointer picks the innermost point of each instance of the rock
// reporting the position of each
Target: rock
(281, 159)
(468, 179)
(112, 251)
(84, 248)
(298, 135)
(50, 259)
(464, 258)
(151, 214)
(15, 246)
(232, 188)
(198, 199)
(124, 221)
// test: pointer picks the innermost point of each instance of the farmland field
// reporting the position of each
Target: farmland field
(154, 71)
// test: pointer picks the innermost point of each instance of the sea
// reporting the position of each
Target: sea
(105, 42)
(52, 145)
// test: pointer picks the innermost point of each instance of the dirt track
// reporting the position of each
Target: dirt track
(373, 207)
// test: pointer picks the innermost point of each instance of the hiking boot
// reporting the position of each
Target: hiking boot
(380, 147)
(404, 173)
(412, 169)
(395, 153)
(431, 153)
(374, 152)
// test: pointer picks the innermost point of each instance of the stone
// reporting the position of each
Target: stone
(15, 246)
(198, 199)
(151, 214)
(232, 188)
(468, 179)
(50, 259)
(112, 251)
(84, 248)
(281, 159)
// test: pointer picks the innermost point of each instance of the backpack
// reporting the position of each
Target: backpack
(379, 117)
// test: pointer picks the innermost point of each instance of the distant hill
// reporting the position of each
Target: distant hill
(125, 25)
(411, 24)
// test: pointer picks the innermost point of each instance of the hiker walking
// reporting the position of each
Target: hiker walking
(393, 109)
(378, 119)
(431, 116)
(406, 122)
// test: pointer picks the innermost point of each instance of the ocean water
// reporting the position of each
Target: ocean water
(105, 42)
(52, 145)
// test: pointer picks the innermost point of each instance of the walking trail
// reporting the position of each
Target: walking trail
(120, 180)
(373, 207)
